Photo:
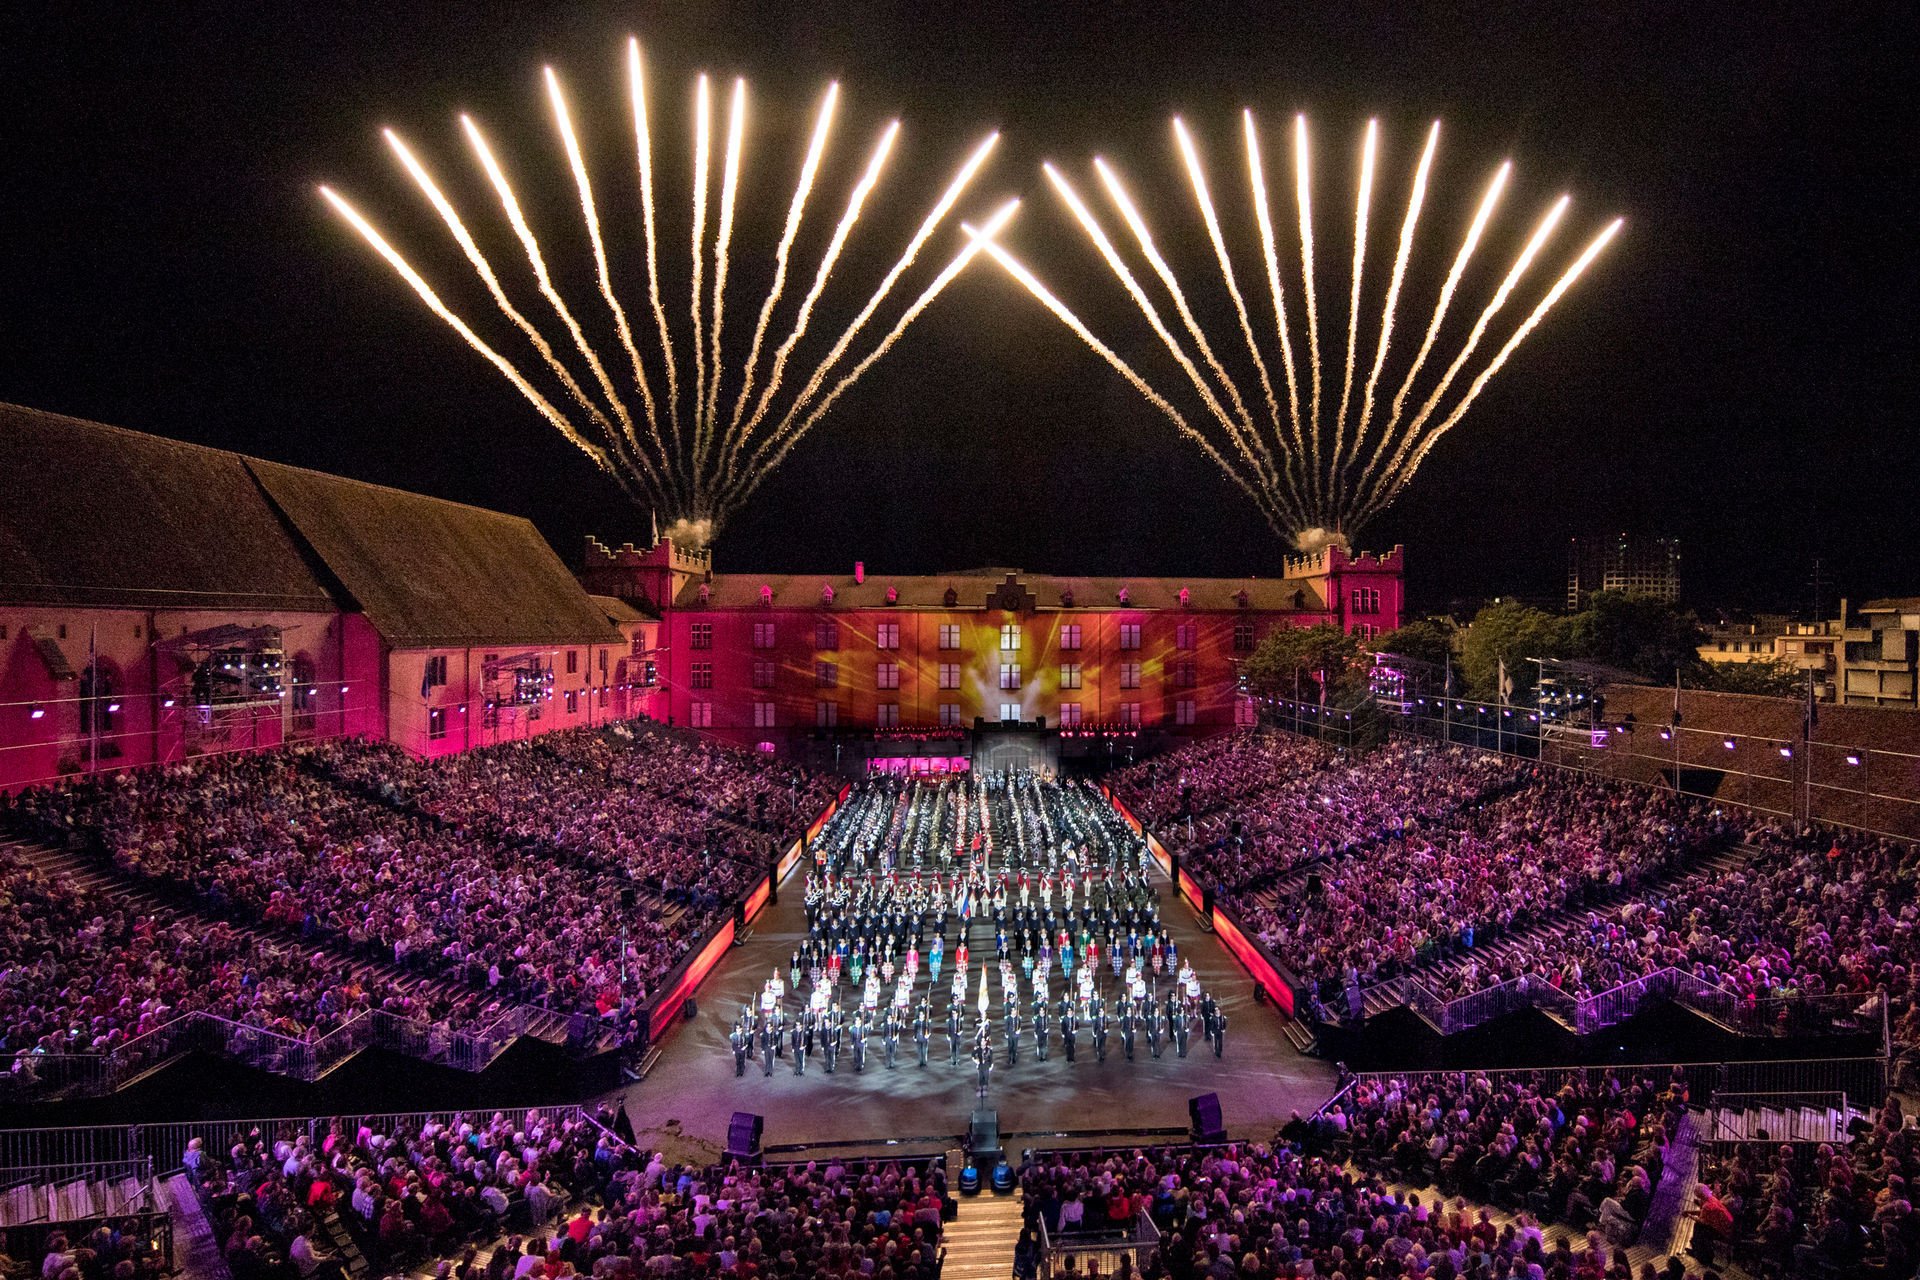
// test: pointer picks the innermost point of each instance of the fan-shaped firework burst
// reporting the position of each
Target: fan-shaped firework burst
(1316, 470)
(681, 449)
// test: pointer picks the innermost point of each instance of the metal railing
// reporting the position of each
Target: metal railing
(165, 1145)
(1780, 1117)
(1862, 1080)
(1617, 1004)
(31, 1076)
(1525, 992)
(32, 1193)
(1074, 1253)
(150, 1230)
(1828, 1013)
(1338, 1095)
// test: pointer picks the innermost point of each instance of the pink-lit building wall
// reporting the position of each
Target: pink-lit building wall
(341, 680)
(759, 659)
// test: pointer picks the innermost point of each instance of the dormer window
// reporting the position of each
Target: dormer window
(1126, 597)
(826, 593)
(1186, 598)
(1241, 598)
(766, 595)
(951, 598)
(1066, 598)
(893, 595)
(706, 592)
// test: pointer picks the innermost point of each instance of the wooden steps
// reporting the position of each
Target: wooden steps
(980, 1241)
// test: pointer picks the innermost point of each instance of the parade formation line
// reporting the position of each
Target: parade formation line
(879, 842)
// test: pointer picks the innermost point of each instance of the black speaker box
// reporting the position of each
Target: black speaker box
(983, 1137)
(743, 1136)
(1204, 1110)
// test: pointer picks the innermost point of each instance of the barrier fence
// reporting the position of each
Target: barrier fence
(1862, 1080)
(1079, 1253)
(1799, 1015)
(1779, 1117)
(163, 1146)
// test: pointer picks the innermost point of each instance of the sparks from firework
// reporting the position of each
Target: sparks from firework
(689, 457)
(1315, 477)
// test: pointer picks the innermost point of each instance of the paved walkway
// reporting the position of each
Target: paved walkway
(685, 1103)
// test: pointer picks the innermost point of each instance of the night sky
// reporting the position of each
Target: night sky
(1738, 371)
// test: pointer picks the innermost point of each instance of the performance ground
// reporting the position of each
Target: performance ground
(688, 1097)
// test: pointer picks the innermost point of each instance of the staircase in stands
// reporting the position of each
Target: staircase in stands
(980, 1241)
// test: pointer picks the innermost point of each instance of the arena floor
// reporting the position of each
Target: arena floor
(686, 1101)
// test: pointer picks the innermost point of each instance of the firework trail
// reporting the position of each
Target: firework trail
(1135, 223)
(784, 351)
(686, 457)
(571, 142)
(1139, 295)
(1414, 202)
(1196, 175)
(1300, 467)
(484, 269)
(459, 326)
(1539, 312)
(928, 226)
(702, 162)
(1257, 177)
(729, 189)
(510, 205)
(780, 446)
(1303, 186)
(795, 212)
(1480, 219)
(643, 139)
(1019, 271)
(1359, 264)
(1492, 309)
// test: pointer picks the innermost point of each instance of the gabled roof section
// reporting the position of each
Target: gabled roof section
(431, 573)
(619, 611)
(973, 589)
(97, 515)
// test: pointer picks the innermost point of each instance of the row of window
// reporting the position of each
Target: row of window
(886, 675)
(826, 634)
(887, 714)
(436, 672)
(437, 716)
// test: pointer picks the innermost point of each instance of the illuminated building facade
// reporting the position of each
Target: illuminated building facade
(777, 660)
(161, 601)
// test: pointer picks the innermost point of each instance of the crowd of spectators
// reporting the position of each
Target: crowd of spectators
(1286, 1209)
(1584, 1149)
(111, 1251)
(557, 1195)
(1485, 870)
(1422, 854)
(502, 871)
(1827, 1210)
(1244, 809)
(84, 974)
(1813, 915)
